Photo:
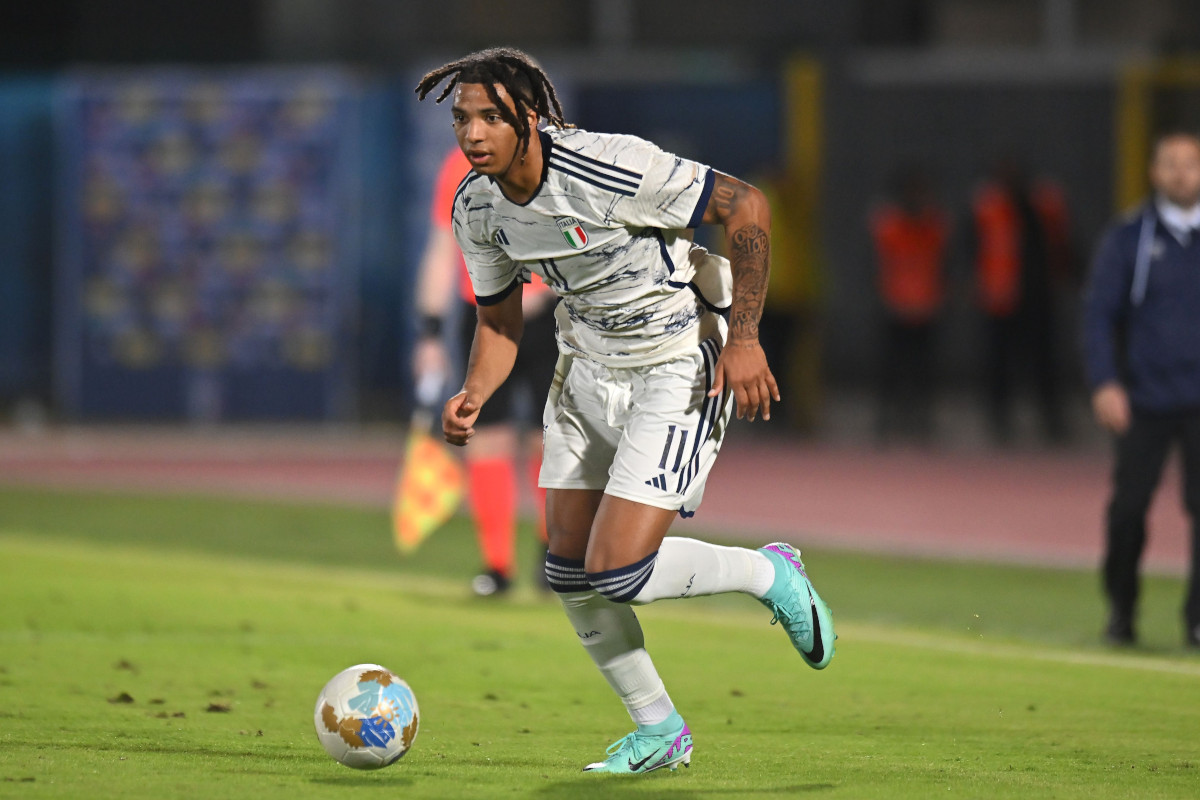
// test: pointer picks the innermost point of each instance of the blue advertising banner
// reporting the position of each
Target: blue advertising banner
(25, 221)
(208, 245)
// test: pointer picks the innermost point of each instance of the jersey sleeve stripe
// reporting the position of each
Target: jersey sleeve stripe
(586, 179)
(493, 299)
(557, 156)
(572, 154)
(702, 203)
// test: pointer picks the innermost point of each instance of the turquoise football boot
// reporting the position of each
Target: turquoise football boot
(794, 602)
(640, 752)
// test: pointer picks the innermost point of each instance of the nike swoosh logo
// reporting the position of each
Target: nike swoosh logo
(634, 767)
(818, 651)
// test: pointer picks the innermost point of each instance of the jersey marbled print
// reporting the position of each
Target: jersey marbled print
(609, 229)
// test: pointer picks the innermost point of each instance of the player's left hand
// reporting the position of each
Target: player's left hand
(743, 366)
(458, 417)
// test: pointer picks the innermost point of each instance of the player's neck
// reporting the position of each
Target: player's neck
(522, 179)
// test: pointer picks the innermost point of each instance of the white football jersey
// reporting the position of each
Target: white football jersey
(609, 229)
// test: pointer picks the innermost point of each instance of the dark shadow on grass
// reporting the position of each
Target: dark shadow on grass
(659, 787)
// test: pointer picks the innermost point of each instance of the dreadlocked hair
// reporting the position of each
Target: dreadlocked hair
(515, 70)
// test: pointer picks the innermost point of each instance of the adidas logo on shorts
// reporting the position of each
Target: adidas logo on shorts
(658, 482)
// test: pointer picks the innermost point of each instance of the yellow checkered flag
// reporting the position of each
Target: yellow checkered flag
(429, 486)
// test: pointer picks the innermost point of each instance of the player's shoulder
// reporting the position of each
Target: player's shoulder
(610, 163)
(615, 148)
(471, 190)
(622, 157)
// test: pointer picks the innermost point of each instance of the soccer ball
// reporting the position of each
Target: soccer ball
(366, 717)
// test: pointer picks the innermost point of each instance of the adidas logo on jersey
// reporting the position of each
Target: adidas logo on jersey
(658, 482)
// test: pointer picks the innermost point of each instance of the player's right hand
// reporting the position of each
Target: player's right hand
(458, 417)
(742, 366)
(1110, 404)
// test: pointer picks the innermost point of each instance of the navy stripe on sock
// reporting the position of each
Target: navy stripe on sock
(622, 584)
(565, 575)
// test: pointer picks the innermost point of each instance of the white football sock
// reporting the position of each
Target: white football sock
(633, 677)
(657, 711)
(691, 568)
(612, 636)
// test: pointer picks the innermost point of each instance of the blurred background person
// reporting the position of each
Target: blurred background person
(909, 232)
(509, 430)
(1142, 341)
(1021, 252)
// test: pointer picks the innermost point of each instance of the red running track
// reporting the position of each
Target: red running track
(1042, 507)
(1034, 507)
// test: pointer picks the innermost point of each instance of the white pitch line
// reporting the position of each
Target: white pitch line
(447, 589)
(924, 641)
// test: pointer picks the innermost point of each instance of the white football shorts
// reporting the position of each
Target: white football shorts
(647, 434)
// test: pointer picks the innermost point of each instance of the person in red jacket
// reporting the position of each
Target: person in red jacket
(909, 233)
(492, 486)
(1022, 250)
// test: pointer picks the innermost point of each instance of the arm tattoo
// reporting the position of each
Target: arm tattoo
(725, 196)
(750, 252)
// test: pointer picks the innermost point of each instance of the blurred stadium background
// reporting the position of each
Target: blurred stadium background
(212, 213)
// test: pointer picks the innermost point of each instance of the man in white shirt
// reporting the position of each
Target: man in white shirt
(657, 340)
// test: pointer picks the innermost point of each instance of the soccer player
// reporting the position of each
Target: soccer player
(647, 375)
(491, 472)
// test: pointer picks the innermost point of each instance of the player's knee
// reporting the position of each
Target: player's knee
(565, 575)
(567, 543)
(622, 584)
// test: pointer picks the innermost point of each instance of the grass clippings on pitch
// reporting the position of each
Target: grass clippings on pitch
(173, 647)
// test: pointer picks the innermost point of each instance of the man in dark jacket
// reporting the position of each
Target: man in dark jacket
(1142, 340)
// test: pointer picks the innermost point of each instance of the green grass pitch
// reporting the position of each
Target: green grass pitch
(951, 680)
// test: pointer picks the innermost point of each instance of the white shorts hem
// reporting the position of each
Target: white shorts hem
(570, 485)
(642, 500)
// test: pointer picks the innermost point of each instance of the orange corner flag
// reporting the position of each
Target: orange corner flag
(428, 490)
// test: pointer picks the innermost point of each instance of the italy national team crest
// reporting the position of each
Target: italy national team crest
(573, 232)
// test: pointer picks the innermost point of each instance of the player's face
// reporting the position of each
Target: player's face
(489, 142)
(1175, 171)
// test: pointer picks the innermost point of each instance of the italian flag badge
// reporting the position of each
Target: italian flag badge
(573, 232)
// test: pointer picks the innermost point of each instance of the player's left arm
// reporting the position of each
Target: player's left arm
(498, 330)
(746, 216)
